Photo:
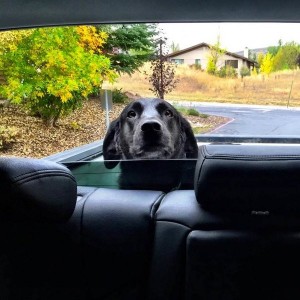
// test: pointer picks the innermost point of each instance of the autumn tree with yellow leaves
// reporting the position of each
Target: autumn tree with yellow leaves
(51, 70)
(267, 64)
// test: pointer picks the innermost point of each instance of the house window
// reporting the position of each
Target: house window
(198, 61)
(178, 61)
(232, 63)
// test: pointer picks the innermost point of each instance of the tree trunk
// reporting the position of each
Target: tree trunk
(49, 121)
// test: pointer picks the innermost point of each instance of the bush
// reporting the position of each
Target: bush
(211, 67)
(245, 71)
(119, 97)
(193, 112)
(8, 135)
(222, 72)
(196, 67)
(227, 72)
(190, 112)
(231, 72)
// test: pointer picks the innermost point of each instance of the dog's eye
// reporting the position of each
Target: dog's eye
(168, 113)
(131, 114)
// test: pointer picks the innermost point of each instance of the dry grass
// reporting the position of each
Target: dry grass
(196, 85)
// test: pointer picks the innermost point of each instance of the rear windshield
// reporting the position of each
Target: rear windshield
(62, 87)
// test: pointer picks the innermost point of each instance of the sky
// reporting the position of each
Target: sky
(233, 36)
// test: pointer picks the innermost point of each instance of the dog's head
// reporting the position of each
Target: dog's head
(149, 129)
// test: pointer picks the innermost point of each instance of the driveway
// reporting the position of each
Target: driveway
(253, 119)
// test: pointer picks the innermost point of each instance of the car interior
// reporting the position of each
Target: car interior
(223, 226)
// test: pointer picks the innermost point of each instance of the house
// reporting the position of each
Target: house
(199, 54)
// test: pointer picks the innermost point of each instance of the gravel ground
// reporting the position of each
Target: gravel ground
(84, 126)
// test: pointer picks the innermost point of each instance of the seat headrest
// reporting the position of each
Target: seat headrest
(36, 189)
(251, 179)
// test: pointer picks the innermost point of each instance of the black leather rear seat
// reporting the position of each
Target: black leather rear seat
(100, 249)
(37, 259)
(235, 237)
(117, 236)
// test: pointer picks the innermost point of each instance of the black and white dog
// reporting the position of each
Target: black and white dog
(150, 132)
(149, 129)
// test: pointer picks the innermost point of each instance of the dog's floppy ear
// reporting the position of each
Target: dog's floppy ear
(111, 149)
(190, 142)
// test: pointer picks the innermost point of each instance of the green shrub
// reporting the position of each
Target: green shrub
(193, 112)
(190, 112)
(245, 71)
(8, 135)
(227, 72)
(119, 97)
(211, 67)
(222, 72)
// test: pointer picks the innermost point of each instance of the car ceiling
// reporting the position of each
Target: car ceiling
(32, 13)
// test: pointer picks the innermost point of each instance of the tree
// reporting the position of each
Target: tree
(129, 46)
(211, 67)
(260, 57)
(214, 55)
(50, 72)
(287, 57)
(174, 47)
(8, 41)
(252, 55)
(279, 61)
(267, 64)
(91, 39)
(162, 77)
(273, 50)
(245, 71)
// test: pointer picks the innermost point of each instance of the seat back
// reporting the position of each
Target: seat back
(117, 235)
(237, 235)
(253, 253)
(60, 242)
(37, 257)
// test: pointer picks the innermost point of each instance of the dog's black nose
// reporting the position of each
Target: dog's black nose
(151, 126)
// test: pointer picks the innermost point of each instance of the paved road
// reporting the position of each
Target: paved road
(254, 120)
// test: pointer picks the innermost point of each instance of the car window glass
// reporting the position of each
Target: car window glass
(163, 175)
(233, 82)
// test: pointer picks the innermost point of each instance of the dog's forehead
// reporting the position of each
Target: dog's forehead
(150, 107)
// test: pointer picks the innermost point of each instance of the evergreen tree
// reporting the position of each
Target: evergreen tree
(129, 46)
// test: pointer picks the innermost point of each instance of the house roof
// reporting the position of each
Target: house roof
(208, 46)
